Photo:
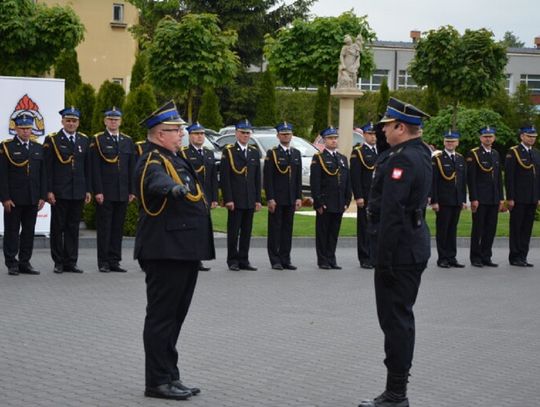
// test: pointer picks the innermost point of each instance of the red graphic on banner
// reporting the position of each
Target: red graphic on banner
(27, 105)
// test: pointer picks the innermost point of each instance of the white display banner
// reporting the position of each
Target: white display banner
(43, 98)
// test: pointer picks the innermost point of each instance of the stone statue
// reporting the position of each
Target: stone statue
(349, 62)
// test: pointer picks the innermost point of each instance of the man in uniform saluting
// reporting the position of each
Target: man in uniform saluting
(23, 190)
(448, 198)
(362, 165)
(113, 162)
(241, 187)
(522, 167)
(396, 215)
(68, 174)
(174, 234)
(282, 180)
(331, 191)
(204, 163)
(484, 179)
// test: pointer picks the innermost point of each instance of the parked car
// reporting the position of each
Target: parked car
(358, 139)
(265, 139)
(207, 143)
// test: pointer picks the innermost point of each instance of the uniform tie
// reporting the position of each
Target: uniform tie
(25, 145)
(200, 152)
(72, 140)
(453, 158)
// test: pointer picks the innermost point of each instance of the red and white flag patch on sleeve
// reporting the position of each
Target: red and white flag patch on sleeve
(397, 173)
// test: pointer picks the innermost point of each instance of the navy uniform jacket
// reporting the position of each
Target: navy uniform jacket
(398, 198)
(282, 175)
(112, 166)
(484, 176)
(241, 176)
(206, 169)
(23, 177)
(522, 175)
(362, 165)
(330, 182)
(449, 180)
(141, 147)
(68, 166)
(169, 228)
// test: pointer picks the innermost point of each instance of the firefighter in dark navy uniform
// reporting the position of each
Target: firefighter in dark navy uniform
(448, 198)
(112, 155)
(362, 165)
(204, 162)
(69, 186)
(484, 181)
(174, 234)
(396, 216)
(282, 180)
(331, 191)
(240, 180)
(522, 170)
(23, 190)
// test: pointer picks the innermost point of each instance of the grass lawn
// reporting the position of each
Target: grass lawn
(305, 225)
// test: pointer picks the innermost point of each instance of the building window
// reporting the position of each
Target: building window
(119, 81)
(532, 82)
(405, 80)
(374, 82)
(508, 83)
(118, 13)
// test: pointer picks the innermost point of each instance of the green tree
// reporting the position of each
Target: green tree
(67, 67)
(524, 108)
(511, 41)
(85, 100)
(109, 95)
(33, 36)
(296, 107)
(307, 52)
(139, 104)
(463, 68)
(384, 95)
(209, 115)
(266, 100)
(236, 98)
(139, 70)
(432, 102)
(320, 113)
(204, 58)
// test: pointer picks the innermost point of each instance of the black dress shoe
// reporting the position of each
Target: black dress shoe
(477, 263)
(247, 267)
(443, 264)
(382, 401)
(58, 269)
(277, 266)
(456, 265)
(203, 268)
(335, 267)
(518, 263)
(28, 269)
(366, 265)
(104, 269)
(13, 271)
(234, 267)
(289, 267)
(167, 391)
(324, 267)
(179, 385)
(117, 269)
(529, 264)
(489, 263)
(72, 269)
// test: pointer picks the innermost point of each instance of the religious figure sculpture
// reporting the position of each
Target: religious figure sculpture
(349, 62)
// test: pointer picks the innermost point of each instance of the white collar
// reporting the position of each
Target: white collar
(525, 147)
(243, 147)
(22, 141)
(449, 153)
(69, 134)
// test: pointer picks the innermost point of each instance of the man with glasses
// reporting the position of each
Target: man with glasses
(174, 234)
(484, 180)
(522, 167)
(241, 187)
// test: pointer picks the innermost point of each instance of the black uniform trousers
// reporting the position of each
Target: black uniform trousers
(239, 225)
(326, 236)
(362, 238)
(169, 289)
(110, 217)
(484, 227)
(521, 224)
(280, 227)
(23, 218)
(65, 219)
(395, 303)
(447, 218)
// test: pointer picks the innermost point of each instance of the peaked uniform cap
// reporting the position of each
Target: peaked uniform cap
(113, 113)
(330, 131)
(284, 127)
(195, 127)
(243, 125)
(24, 120)
(166, 114)
(70, 113)
(403, 112)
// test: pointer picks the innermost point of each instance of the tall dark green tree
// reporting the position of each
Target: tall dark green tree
(524, 108)
(511, 41)
(33, 36)
(266, 100)
(139, 72)
(209, 115)
(384, 95)
(140, 102)
(85, 100)
(109, 95)
(320, 113)
(67, 68)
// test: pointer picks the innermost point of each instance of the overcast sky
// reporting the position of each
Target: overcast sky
(393, 20)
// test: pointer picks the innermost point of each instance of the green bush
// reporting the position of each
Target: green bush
(130, 224)
(139, 71)
(67, 68)
(89, 215)
(109, 95)
(139, 104)
(296, 107)
(265, 114)
(209, 115)
(85, 100)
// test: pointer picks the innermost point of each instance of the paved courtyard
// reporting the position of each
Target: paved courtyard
(271, 338)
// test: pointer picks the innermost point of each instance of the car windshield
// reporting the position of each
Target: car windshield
(207, 143)
(270, 141)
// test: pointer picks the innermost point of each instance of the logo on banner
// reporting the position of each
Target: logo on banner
(27, 105)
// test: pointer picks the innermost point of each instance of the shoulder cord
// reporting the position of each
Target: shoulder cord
(243, 171)
(361, 158)
(286, 170)
(58, 155)
(473, 151)
(202, 168)
(521, 163)
(441, 170)
(332, 174)
(21, 164)
(109, 160)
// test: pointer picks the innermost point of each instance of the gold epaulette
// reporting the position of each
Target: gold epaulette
(184, 148)
(140, 142)
(125, 135)
(229, 146)
(437, 154)
(82, 134)
(7, 141)
(252, 147)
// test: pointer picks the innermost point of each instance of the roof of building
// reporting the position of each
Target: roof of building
(409, 45)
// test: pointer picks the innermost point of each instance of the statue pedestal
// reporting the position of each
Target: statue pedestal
(346, 116)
